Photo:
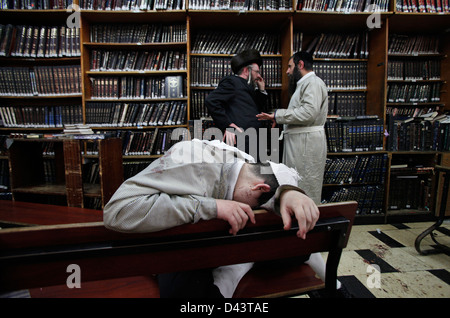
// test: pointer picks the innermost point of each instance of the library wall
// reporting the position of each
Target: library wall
(135, 73)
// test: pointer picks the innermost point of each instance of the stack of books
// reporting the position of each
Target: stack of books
(36, 5)
(428, 132)
(138, 33)
(356, 169)
(40, 116)
(132, 5)
(136, 114)
(40, 80)
(342, 46)
(39, 41)
(353, 134)
(406, 70)
(422, 6)
(105, 60)
(226, 42)
(137, 87)
(413, 44)
(247, 5)
(79, 129)
(369, 197)
(344, 5)
(413, 93)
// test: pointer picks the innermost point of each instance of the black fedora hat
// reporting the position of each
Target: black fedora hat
(245, 58)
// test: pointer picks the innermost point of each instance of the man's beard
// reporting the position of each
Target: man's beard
(293, 79)
(251, 81)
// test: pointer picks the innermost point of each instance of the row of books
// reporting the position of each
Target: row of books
(137, 87)
(412, 191)
(39, 41)
(132, 5)
(106, 60)
(350, 134)
(342, 75)
(227, 42)
(136, 114)
(422, 133)
(356, 169)
(138, 33)
(413, 44)
(151, 142)
(413, 93)
(35, 4)
(49, 171)
(414, 70)
(241, 5)
(207, 71)
(422, 6)
(347, 104)
(40, 80)
(343, 5)
(370, 198)
(340, 46)
(40, 116)
(90, 173)
(408, 111)
(132, 168)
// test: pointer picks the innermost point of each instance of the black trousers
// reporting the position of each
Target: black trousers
(200, 283)
(189, 284)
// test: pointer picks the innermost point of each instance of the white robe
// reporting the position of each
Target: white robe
(305, 145)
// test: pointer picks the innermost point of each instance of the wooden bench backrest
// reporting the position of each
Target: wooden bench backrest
(45, 252)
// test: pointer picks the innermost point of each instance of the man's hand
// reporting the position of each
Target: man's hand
(304, 209)
(266, 116)
(229, 137)
(235, 213)
(260, 83)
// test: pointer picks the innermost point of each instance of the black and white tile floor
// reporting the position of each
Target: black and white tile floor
(403, 272)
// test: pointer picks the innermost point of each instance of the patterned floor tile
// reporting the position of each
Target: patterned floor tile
(404, 273)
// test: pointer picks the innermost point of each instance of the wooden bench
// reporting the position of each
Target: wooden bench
(36, 257)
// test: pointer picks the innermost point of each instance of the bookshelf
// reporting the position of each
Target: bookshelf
(123, 112)
(53, 171)
(421, 140)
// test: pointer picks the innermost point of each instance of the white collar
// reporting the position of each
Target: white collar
(311, 73)
(232, 178)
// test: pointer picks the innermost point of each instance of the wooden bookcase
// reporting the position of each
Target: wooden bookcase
(285, 23)
(30, 179)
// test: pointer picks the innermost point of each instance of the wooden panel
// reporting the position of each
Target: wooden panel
(26, 164)
(74, 179)
(44, 214)
(376, 71)
(54, 233)
(128, 287)
(445, 161)
(284, 281)
(111, 167)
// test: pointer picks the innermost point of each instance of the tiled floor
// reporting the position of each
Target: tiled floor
(403, 272)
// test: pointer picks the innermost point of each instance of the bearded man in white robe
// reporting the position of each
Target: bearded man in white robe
(305, 145)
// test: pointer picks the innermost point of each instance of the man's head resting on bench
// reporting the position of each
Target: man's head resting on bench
(199, 179)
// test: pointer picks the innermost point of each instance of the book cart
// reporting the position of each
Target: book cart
(363, 78)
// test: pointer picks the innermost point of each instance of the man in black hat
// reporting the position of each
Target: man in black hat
(237, 100)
